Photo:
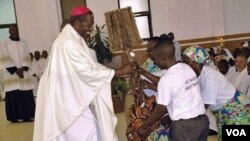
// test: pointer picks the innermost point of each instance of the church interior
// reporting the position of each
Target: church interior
(210, 24)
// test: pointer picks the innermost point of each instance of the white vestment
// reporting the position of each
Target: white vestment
(93, 54)
(36, 71)
(212, 65)
(2, 93)
(242, 81)
(16, 54)
(86, 120)
(42, 63)
(231, 74)
(71, 82)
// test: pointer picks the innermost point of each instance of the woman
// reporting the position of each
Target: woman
(228, 105)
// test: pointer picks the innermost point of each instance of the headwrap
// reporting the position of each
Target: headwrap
(197, 54)
(79, 10)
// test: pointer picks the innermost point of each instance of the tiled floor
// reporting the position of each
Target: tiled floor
(24, 131)
(14, 131)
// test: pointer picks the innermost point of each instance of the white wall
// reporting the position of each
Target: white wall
(237, 16)
(189, 19)
(39, 22)
(99, 7)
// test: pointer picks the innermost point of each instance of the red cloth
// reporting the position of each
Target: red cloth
(79, 10)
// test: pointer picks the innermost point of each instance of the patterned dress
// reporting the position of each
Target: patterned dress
(235, 112)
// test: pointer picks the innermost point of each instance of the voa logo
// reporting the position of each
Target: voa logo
(236, 132)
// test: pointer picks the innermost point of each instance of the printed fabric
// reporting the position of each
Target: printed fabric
(197, 54)
(235, 112)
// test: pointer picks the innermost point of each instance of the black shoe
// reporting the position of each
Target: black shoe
(14, 121)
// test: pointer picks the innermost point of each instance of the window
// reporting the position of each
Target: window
(142, 13)
(7, 17)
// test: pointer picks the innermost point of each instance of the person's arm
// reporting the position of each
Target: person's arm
(156, 115)
(151, 77)
(210, 84)
(148, 85)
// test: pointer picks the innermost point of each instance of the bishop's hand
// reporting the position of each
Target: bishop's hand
(125, 69)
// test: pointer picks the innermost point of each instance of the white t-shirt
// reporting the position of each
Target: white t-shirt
(178, 89)
(215, 88)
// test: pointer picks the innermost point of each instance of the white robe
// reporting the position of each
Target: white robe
(42, 63)
(231, 74)
(93, 54)
(88, 120)
(71, 82)
(212, 65)
(17, 55)
(242, 82)
(37, 70)
(2, 93)
(5, 62)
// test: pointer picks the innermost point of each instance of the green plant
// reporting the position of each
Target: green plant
(99, 42)
(119, 86)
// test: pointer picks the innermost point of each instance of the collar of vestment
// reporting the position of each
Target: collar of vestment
(68, 27)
